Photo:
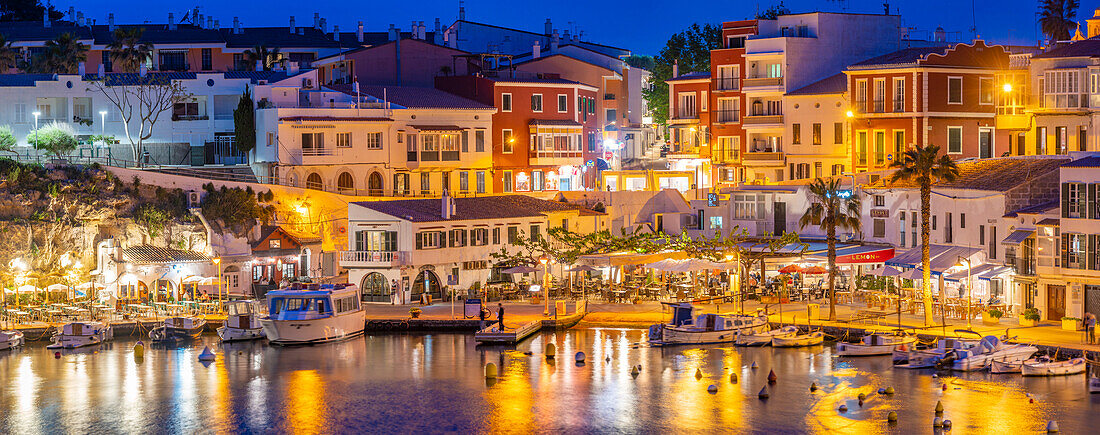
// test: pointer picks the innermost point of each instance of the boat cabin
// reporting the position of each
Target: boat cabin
(80, 329)
(184, 322)
(312, 302)
(681, 313)
(239, 314)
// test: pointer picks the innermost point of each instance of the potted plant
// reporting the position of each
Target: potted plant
(992, 316)
(414, 312)
(1029, 317)
(1070, 323)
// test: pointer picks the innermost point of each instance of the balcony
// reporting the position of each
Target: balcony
(763, 120)
(371, 259)
(726, 83)
(685, 115)
(758, 158)
(728, 116)
(556, 157)
(762, 82)
(682, 151)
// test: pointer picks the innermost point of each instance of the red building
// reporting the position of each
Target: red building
(545, 132)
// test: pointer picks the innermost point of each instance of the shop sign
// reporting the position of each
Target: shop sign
(880, 212)
(867, 257)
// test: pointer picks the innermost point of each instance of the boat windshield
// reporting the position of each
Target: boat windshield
(237, 308)
(316, 305)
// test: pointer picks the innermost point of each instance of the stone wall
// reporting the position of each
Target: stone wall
(1038, 190)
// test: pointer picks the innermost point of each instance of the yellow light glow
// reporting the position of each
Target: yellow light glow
(217, 260)
(302, 210)
(1007, 87)
(692, 129)
(849, 114)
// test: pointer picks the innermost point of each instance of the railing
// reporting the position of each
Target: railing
(762, 119)
(726, 83)
(880, 106)
(189, 117)
(726, 155)
(370, 256)
(726, 116)
(763, 81)
(319, 152)
(758, 156)
(687, 114)
(553, 154)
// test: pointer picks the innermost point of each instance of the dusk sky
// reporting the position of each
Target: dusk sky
(642, 26)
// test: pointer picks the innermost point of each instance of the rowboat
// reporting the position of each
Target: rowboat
(1044, 366)
(874, 344)
(702, 329)
(178, 328)
(764, 338)
(811, 339)
(999, 367)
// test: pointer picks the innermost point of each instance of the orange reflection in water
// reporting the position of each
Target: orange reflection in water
(511, 397)
(695, 407)
(305, 402)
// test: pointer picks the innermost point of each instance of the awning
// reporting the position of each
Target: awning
(993, 273)
(974, 272)
(864, 254)
(910, 258)
(950, 257)
(885, 271)
(555, 123)
(1017, 237)
(940, 257)
(438, 128)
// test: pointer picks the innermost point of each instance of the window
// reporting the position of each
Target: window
(508, 141)
(479, 141)
(456, 238)
(507, 181)
(1040, 140)
(962, 220)
(735, 42)
(774, 70)
(796, 134)
(1074, 201)
(913, 228)
(373, 141)
(343, 140)
(954, 140)
(535, 233)
(716, 222)
(1059, 140)
(445, 183)
(313, 181)
(880, 200)
(901, 229)
(345, 183)
(728, 78)
(1075, 250)
(480, 179)
(611, 115)
(513, 234)
(563, 103)
(685, 107)
(748, 207)
(861, 95)
(1062, 89)
(430, 240)
(861, 151)
(368, 240)
(463, 181)
(505, 102)
(496, 236)
(985, 90)
(270, 138)
(186, 111)
(837, 169)
(312, 141)
(703, 101)
(728, 110)
(954, 90)
(537, 181)
(879, 230)
(1082, 138)
(838, 133)
(933, 222)
(106, 61)
(899, 95)
(479, 237)
(981, 234)
(880, 95)
(536, 103)
(899, 144)
(816, 133)
(207, 59)
(401, 184)
(880, 148)
(275, 244)
(949, 230)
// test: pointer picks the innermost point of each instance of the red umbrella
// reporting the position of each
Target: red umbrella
(814, 270)
(790, 269)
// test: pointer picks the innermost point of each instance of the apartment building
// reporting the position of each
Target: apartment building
(943, 95)
(1062, 98)
(728, 105)
(544, 136)
(400, 62)
(817, 127)
(689, 125)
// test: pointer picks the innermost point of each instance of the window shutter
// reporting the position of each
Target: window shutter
(465, 141)
(1092, 201)
(1091, 253)
(1065, 200)
(419, 241)
(464, 237)
(1065, 250)
(443, 239)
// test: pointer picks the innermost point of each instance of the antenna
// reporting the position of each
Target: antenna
(973, 21)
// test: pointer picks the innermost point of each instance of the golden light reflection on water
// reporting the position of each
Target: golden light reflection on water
(305, 402)
(730, 399)
(511, 397)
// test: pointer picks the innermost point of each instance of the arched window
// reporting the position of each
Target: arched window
(345, 183)
(374, 184)
(427, 282)
(375, 288)
(313, 181)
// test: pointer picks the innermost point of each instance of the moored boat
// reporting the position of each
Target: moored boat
(762, 338)
(11, 339)
(79, 334)
(989, 349)
(315, 313)
(875, 344)
(704, 329)
(241, 322)
(919, 357)
(178, 328)
(1094, 384)
(1001, 367)
(1045, 366)
(811, 339)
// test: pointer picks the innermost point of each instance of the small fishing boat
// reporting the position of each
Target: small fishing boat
(875, 344)
(314, 313)
(811, 339)
(178, 328)
(920, 357)
(751, 338)
(703, 329)
(1046, 366)
(241, 322)
(1001, 367)
(80, 334)
(989, 349)
(11, 339)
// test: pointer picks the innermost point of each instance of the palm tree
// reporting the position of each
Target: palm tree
(831, 210)
(8, 55)
(925, 166)
(268, 56)
(1057, 18)
(61, 56)
(127, 50)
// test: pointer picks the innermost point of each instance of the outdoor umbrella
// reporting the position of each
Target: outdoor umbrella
(56, 287)
(912, 274)
(90, 285)
(814, 270)
(792, 268)
(26, 288)
(582, 268)
(885, 271)
(521, 269)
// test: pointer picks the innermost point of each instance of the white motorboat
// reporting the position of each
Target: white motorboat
(80, 334)
(762, 338)
(1045, 366)
(1001, 367)
(989, 349)
(11, 339)
(703, 329)
(313, 314)
(811, 339)
(911, 357)
(241, 322)
(178, 328)
(875, 344)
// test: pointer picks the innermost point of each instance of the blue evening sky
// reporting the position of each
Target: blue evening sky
(641, 26)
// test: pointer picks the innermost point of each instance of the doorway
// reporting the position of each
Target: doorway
(780, 214)
(1056, 302)
(985, 143)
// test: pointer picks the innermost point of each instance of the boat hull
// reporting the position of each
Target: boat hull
(799, 340)
(981, 362)
(860, 349)
(1058, 368)
(11, 339)
(677, 335)
(292, 332)
(1001, 367)
(240, 334)
(1094, 384)
(69, 341)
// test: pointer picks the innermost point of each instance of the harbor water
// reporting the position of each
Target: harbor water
(405, 383)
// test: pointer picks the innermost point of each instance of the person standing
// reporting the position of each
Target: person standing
(500, 316)
(1090, 328)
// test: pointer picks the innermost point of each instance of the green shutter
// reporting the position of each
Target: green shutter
(1065, 200)
(443, 239)
(465, 141)
(1091, 253)
(419, 241)
(1091, 200)
(1065, 250)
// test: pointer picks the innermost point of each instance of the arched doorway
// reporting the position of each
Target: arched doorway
(375, 288)
(374, 184)
(345, 183)
(313, 181)
(427, 282)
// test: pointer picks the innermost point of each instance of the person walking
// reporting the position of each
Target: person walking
(482, 314)
(500, 316)
(1090, 328)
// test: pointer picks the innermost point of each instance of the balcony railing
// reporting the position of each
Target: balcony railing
(762, 119)
(762, 157)
(556, 154)
(319, 152)
(377, 257)
(687, 114)
(727, 83)
(763, 81)
(727, 116)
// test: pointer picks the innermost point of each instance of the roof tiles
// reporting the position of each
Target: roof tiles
(997, 174)
(474, 208)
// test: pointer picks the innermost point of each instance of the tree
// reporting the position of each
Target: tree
(924, 165)
(127, 51)
(141, 101)
(7, 139)
(244, 122)
(25, 10)
(62, 55)
(773, 12)
(831, 210)
(9, 57)
(260, 53)
(690, 49)
(56, 138)
(639, 61)
(1057, 18)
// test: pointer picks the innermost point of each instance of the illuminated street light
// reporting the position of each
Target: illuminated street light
(849, 114)
(1007, 87)
(103, 122)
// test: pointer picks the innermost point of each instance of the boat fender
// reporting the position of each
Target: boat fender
(608, 359)
(763, 393)
(1052, 426)
(139, 350)
(935, 376)
(57, 355)
(772, 377)
(939, 407)
(813, 386)
(712, 389)
(698, 374)
(946, 424)
(550, 350)
(843, 408)
(944, 387)
(1030, 400)
(937, 422)
(882, 391)
(490, 371)
(733, 378)
(892, 417)
(579, 357)
(889, 390)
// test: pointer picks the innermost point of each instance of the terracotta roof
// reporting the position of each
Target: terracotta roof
(694, 75)
(1050, 222)
(1084, 162)
(903, 57)
(157, 254)
(335, 118)
(415, 97)
(475, 208)
(436, 127)
(1035, 209)
(834, 84)
(998, 174)
(267, 230)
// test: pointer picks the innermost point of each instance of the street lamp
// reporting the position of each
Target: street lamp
(36, 115)
(103, 122)
(217, 262)
(969, 290)
(545, 288)
(1007, 87)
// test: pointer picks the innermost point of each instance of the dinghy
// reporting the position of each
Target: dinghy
(764, 338)
(1094, 384)
(874, 344)
(11, 339)
(811, 339)
(1001, 367)
(989, 349)
(1045, 366)
(178, 328)
(909, 357)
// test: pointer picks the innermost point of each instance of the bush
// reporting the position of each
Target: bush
(995, 313)
(152, 218)
(7, 139)
(56, 138)
(235, 207)
(1071, 318)
(1032, 314)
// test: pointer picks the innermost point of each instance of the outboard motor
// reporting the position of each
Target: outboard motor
(948, 359)
(656, 332)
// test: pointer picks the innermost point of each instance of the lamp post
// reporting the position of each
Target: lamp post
(545, 288)
(966, 262)
(103, 122)
(217, 264)
(36, 115)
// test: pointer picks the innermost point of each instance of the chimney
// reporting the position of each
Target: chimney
(217, 25)
(423, 31)
(209, 22)
(536, 50)
(196, 17)
(197, 20)
(301, 30)
(292, 24)
(548, 28)
(437, 36)
(393, 33)
(102, 70)
(143, 70)
(448, 205)
(171, 21)
(324, 25)
(359, 32)
(335, 33)
(292, 68)
(316, 20)
(80, 18)
(675, 68)
(566, 36)
(80, 69)
(46, 17)
(415, 31)
(554, 40)
(111, 22)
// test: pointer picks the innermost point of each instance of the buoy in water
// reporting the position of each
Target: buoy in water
(490, 371)
(861, 396)
(763, 393)
(935, 376)
(1052, 426)
(937, 422)
(939, 407)
(754, 364)
(733, 378)
(712, 389)
(139, 349)
(944, 387)
(579, 357)
(634, 371)
(813, 386)
(843, 408)
(57, 355)
(946, 424)
(771, 376)
(550, 350)
(892, 416)
(881, 390)
(889, 390)
(1030, 400)
(698, 374)
(608, 359)
(206, 354)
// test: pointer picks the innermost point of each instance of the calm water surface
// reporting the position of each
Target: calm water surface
(434, 383)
